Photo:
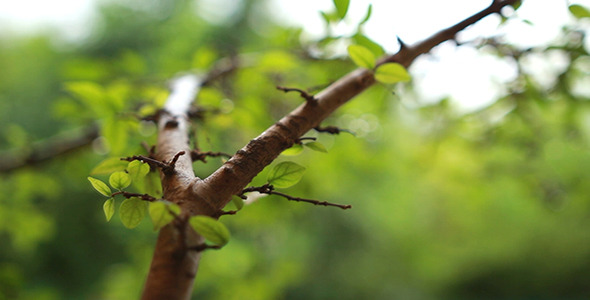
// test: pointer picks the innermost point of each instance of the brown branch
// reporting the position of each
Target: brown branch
(235, 174)
(48, 149)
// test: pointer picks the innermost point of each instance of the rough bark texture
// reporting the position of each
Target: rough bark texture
(173, 266)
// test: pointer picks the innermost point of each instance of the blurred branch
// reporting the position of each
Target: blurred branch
(48, 149)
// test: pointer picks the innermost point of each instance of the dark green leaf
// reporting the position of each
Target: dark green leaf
(285, 174)
(211, 229)
(341, 7)
(160, 213)
(362, 56)
(100, 186)
(132, 211)
(391, 73)
(109, 208)
(119, 180)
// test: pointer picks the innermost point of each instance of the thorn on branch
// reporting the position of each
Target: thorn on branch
(197, 155)
(269, 190)
(305, 95)
(224, 213)
(203, 247)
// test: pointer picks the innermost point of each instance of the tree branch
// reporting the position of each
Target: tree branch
(48, 149)
(236, 173)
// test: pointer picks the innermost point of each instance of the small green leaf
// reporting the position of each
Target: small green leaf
(579, 11)
(132, 211)
(368, 15)
(341, 7)
(109, 208)
(238, 202)
(108, 166)
(285, 174)
(391, 73)
(120, 180)
(138, 170)
(316, 146)
(364, 41)
(211, 229)
(294, 150)
(100, 186)
(160, 213)
(362, 56)
(516, 4)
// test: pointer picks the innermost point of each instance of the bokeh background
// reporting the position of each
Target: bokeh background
(451, 200)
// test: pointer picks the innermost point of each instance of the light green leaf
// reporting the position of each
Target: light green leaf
(294, 150)
(138, 170)
(92, 94)
(132, 211)
(368, 15)
(364, 41)
(316, 146)
(341, 7)
(362, 56)
(100, 186)
(285, 174)
(119, 180)
(391, 73)
(160, 213)
(579, 11)
(115, 132)
(109, 208)
(238, 202)
(211, 229)
(108, 166)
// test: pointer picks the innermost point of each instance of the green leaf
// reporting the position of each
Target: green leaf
(364, 41)
(115, 132)
(368, 15)
(341, 7)
(238, 202)
(211, 229)
(362, 56)
(516, 4)
(294, 150)
(579, 11)
(120, 180)
(132, 211)
(138, 170)
(285, 174)
(90, 93)
(160, 213)
(316, 146)
(109, 208)
(391, 73)
(100, 186)
(108, 166)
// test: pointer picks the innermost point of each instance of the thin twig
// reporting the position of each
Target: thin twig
(305, 95)
(128, 195)
(269, 190)
(203, 247)
(197, 155)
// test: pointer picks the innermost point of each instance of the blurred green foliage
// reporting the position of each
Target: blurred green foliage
(488, 204)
